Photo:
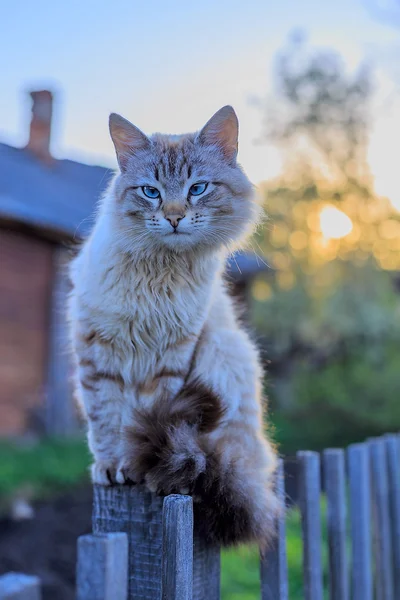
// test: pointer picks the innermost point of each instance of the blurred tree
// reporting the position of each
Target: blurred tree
(324, 207)
(330, 315)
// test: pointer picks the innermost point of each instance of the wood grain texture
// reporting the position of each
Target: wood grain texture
(137, 512)
(102, 567)
(273, 565)
(309, 502)
(206, 570)
(360, 521)
(335, 489)
(177, 548)
(17, 586)
(381, 517)
(392, 443)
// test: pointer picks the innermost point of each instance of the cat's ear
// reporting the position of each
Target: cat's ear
(222, 130)
(127, 139)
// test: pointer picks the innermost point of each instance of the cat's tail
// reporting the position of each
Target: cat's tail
(164, 441)
(174, 450)
(235, 504)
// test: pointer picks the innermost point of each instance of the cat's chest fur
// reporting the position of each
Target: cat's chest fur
(146, 309)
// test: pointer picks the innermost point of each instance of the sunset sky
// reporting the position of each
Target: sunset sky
(167, 66)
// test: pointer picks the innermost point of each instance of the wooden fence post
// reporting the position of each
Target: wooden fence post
(309, 502)
(360, 519)
(335, 488)
(102, 567)
(382, 525)
(273, 566)
(17, 586)
(393, 457)
(177, 548)
(137, 512)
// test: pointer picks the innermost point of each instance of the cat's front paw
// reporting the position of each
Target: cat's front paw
(125, 475)
(104, 472)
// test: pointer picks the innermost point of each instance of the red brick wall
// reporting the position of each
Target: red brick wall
(25, 292)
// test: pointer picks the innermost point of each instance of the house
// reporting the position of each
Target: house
(45, 204)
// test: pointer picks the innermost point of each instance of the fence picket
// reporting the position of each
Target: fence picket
(381, 514)
(360, 520)
(146, 547)
(393, 457)
(177, 548)
(137, 512)
(273, 565)
(309, 502)
(18, 586)
(335, 488)
(102, 567)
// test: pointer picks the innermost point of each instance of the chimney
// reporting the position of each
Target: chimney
(40, 129)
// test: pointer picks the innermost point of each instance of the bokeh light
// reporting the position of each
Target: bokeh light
(334, 223)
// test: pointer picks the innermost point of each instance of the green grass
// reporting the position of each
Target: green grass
(42, 468)
(51, 466)
(240, 567)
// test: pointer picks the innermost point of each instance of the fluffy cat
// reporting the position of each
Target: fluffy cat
(169, 382)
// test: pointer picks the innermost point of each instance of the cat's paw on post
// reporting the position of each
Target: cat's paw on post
(103, 472)
(125, 474)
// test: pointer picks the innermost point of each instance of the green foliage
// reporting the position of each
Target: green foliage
(43, 467)
(328, 315)
(335, 360)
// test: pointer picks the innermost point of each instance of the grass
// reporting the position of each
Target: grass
(240, 567)
(51, 466)
(42, 468)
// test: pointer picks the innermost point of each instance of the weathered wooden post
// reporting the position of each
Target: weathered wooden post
(177, 548)
(139, 513)
(360, 521)
(18, 586)
(273, 565)
(382, 524)
(335, 488)
(102, 567)
(309, 502)
(392, 443)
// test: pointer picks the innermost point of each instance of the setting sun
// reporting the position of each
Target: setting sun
(334, 223)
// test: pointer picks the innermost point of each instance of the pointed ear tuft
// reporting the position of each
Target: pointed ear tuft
(127, 139)
(222, 130)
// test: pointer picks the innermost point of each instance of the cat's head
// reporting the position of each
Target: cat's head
(181, 192)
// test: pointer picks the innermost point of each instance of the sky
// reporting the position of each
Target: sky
(168, 65)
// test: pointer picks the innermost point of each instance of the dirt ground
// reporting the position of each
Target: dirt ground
(46, 545)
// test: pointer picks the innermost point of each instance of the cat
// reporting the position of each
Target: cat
(169, 382)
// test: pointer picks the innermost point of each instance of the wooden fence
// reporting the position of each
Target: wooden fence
(143, 546)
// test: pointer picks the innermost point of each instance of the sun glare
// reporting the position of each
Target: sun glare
(334, 223)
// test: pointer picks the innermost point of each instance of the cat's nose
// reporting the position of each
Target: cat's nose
(174, 219)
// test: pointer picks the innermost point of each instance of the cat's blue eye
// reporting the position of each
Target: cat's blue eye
(150, 192)
(198, 188)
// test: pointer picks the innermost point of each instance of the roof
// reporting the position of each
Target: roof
(59, 197)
